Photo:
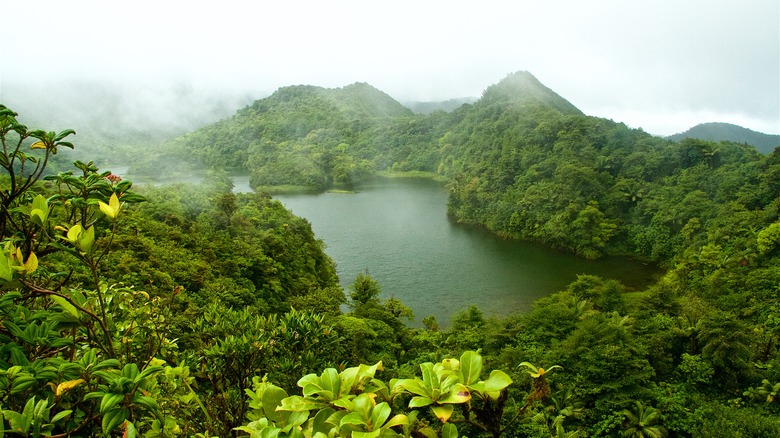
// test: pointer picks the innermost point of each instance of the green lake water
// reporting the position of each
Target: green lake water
(398, 231)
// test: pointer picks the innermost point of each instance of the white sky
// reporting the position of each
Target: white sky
(663, 65)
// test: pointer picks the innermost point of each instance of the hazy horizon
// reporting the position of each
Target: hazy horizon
(662, 66)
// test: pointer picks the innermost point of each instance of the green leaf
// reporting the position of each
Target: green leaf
(271, 399)
(320, 422)
(449, 431)
(398, 420)
(148, 371)
(380, 414)
(66, 306)
(25, 419)
(108, 363)
(61, 415)
(331, 381)
(418, 402)
(130, 431)
(443, 412)
(470, 367)
(113, 418)
(86, 240)
(110, 400)
(414, 386)
(297, 403)
(497, 381)
(150, 403)
(353, 419)
(458, 394)
(374, 434)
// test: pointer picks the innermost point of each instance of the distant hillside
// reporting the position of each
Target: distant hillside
(112, 122)
(765, 143)
(446, 105)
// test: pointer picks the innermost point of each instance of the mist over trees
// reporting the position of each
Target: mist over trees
(194, 311)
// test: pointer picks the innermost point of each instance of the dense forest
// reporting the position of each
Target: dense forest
(193, 311)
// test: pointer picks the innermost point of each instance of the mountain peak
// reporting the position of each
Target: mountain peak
(523, 89)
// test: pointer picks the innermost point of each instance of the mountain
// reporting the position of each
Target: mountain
(306, 135)
(445, 105)
(523, 90)
(765, 143)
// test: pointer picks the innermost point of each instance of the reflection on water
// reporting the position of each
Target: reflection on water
(398, 231)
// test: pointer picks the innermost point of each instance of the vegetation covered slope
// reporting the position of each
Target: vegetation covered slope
(227, 319)
(765, 143)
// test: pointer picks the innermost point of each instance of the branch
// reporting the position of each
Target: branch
(42, 291)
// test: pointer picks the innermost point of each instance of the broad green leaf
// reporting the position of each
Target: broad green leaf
(272, 398)
(331, 381)
(6, 272)
(443, 412)
(380, 414)
(66, 306)
(414, 386)
(497, 381)
(320, 424)
(39, 211)
(418, 402)
(86, 240)
(373, 434)
(470, 367)
(363, 404)
(148, 371)
(458, 394)
(398, 420)
(449, 431)
(74, 232)
(297, 403)
(353, 419)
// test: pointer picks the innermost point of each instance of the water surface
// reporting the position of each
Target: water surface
(398, 231)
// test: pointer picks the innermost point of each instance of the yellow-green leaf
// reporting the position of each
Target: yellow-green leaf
(443, 412)
(70, 384)
(86, 240)
(74, 232)
(112, 208)
(66, 306)
(31, 264)
(38, 145)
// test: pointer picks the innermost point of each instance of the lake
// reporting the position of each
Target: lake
(398, 231)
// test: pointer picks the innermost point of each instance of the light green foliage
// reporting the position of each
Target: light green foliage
(354, 402)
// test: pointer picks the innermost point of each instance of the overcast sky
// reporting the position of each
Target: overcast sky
(662, 65)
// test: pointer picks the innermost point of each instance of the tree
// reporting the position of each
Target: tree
(641, 423)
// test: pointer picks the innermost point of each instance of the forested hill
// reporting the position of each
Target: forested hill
(523, 162)
(317, 137)
(297, 136)
(765, 143)
(523, 90)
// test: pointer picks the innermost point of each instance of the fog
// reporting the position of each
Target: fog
(660, 65)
